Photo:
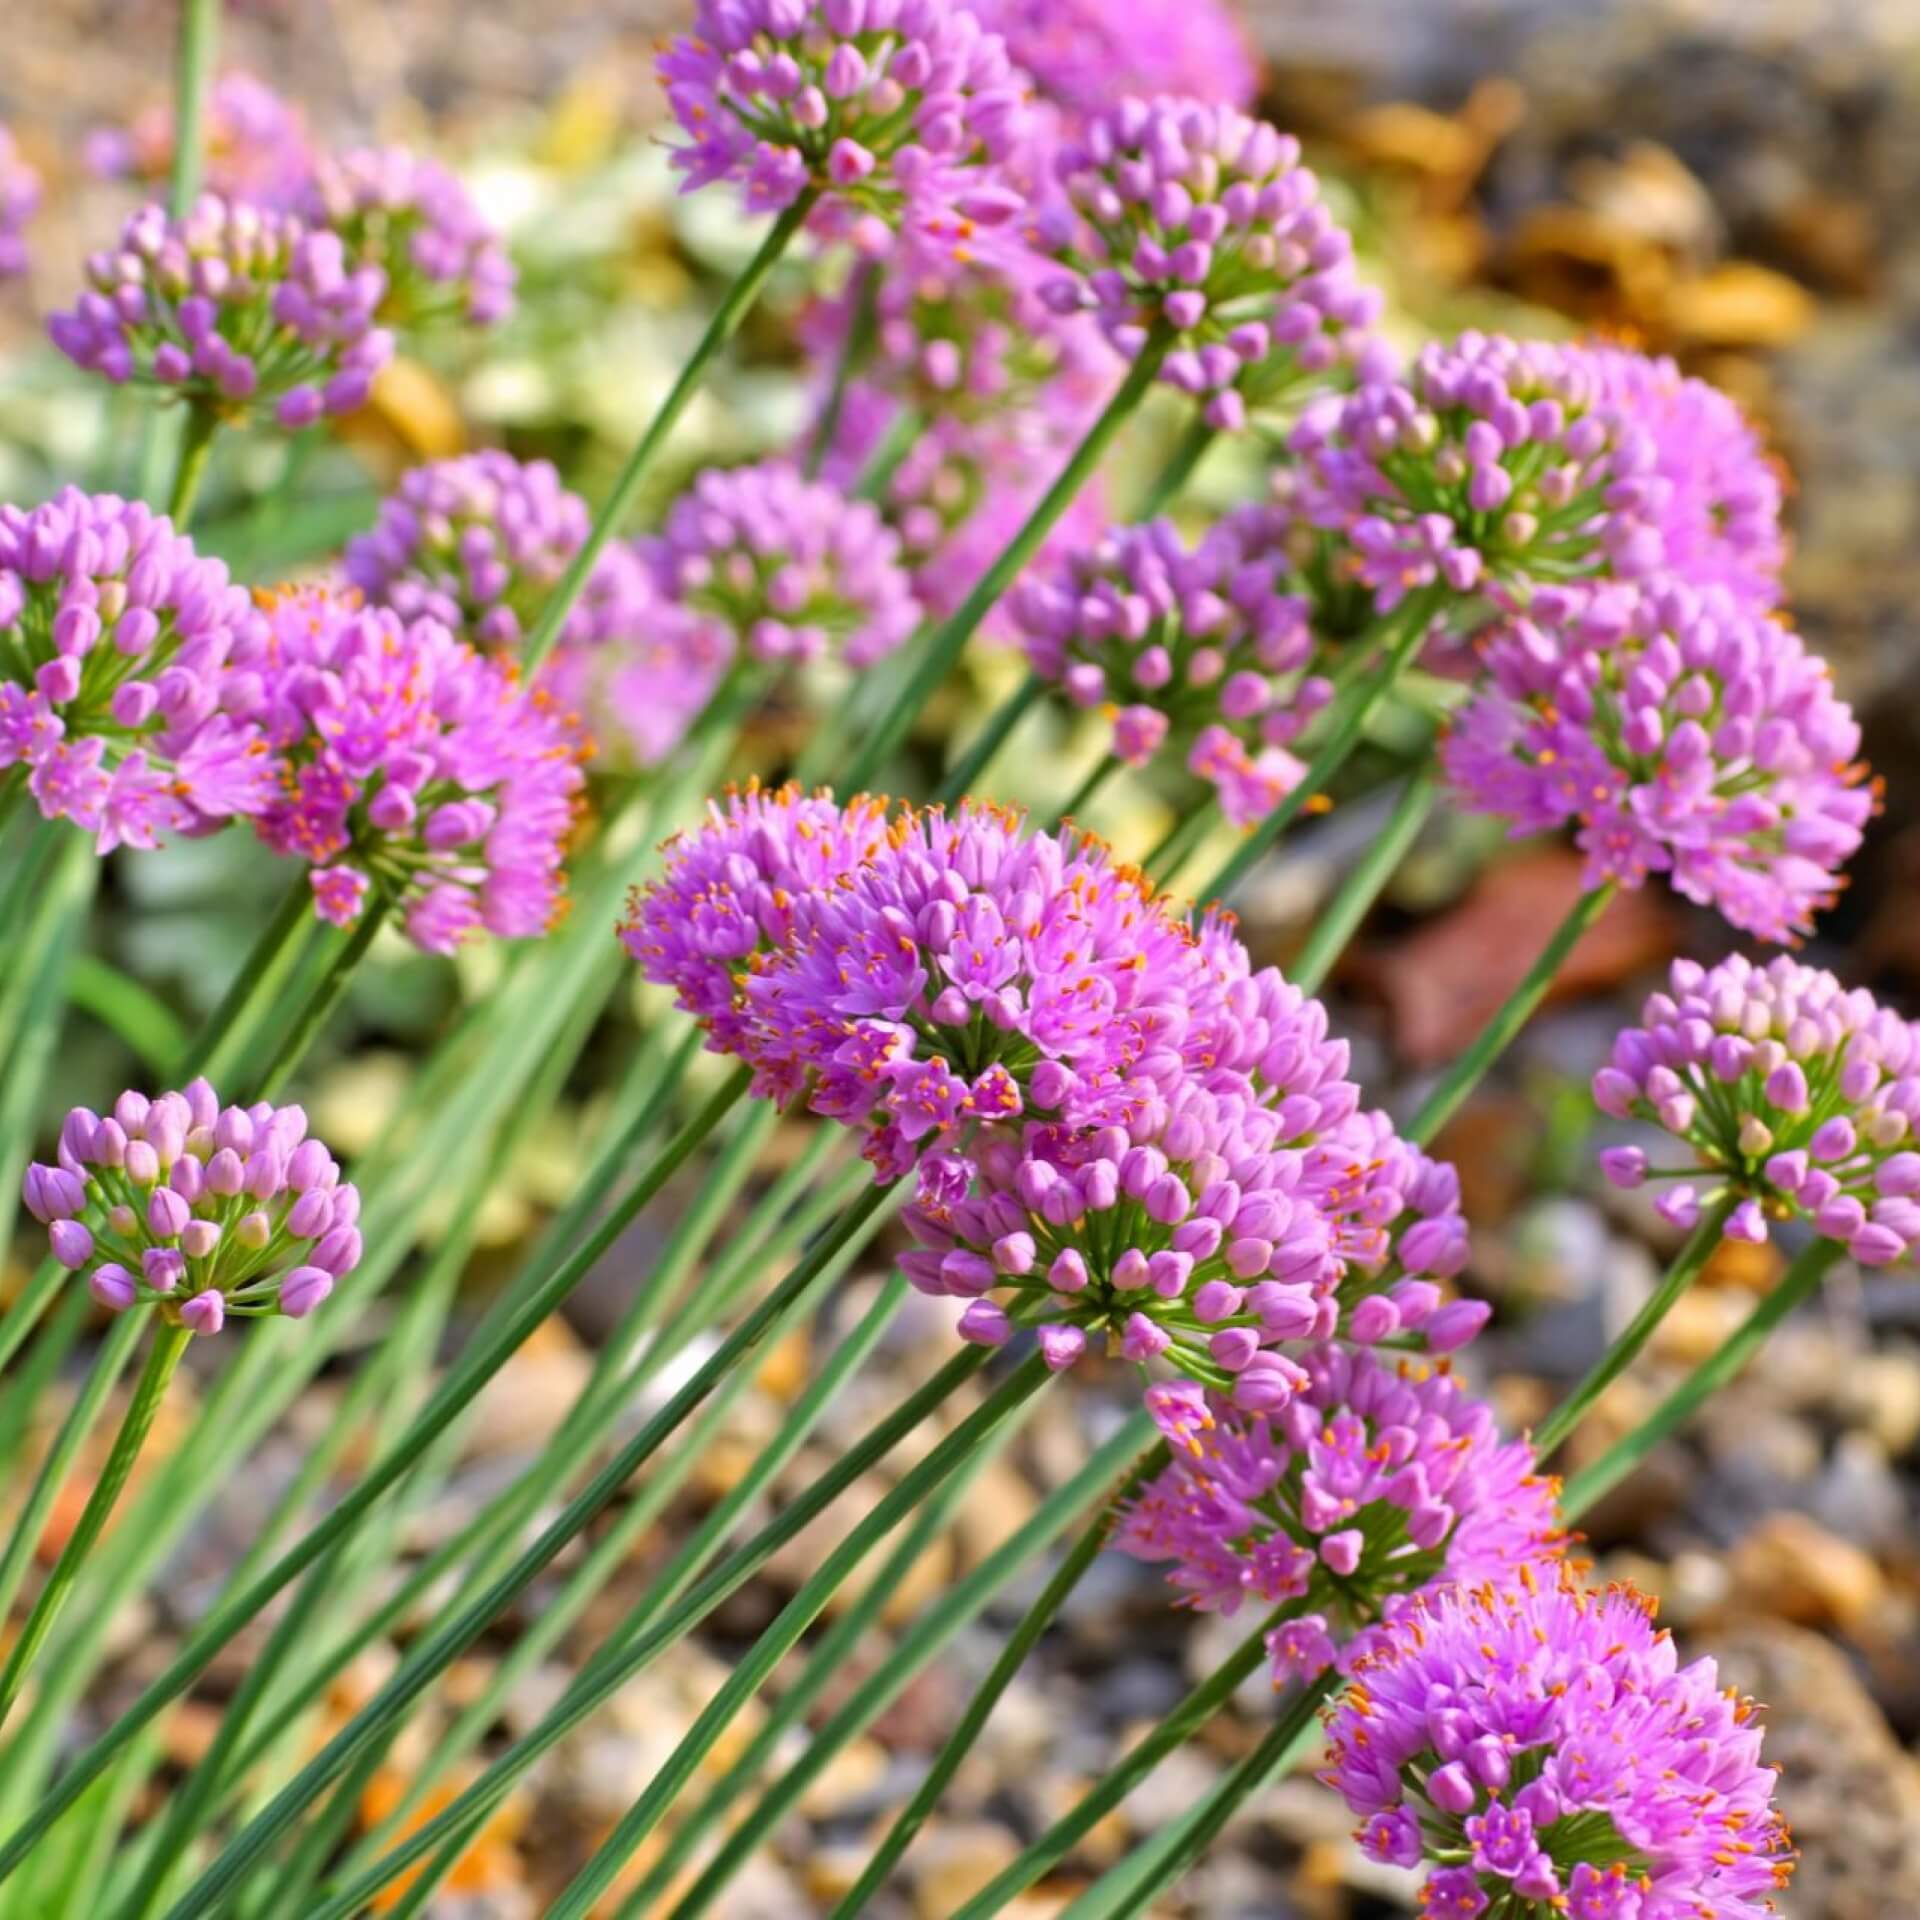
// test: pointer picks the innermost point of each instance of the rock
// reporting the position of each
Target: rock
(847, 1782)
(1794, 1568)
(952, 1863)
(1883, 1390)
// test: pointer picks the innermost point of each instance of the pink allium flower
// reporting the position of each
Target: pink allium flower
(1375, 1480)
(1545, 1744)
(731, 891)
(115, 640)
(257, 146)
(789, 568)
(872, 103)
(1084, 54)
(412, 763)
(1795, 1095)
(1497, 463)
(1720, 520)
(407, 216)
(200, 1211)
(19, 201)
(1686, 734)
(236, 308)
(1199, 221)
(1209, 648)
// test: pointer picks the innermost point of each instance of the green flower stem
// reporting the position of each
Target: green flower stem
(884, 462)
(941, 651)
(263, 975)
(727, 316)
(1515, 1011)
(194, 54)
(440, 1648)
(482, 1359)
(1401, 634)
(1175, 1730)
(1340, 919)
(1147, 1873)
(1082, 796)
(24, 1314)
(1684, 1271)
(1021, 1642)
(773, 1644)
(992, 737)
(20, 1393)
(115, 1351)
(162, 1358)
(291, 1049)
(1800, 1283)
(196, 446)
(854, 349)
(625, 1655)
(1191, 448)
(923, 1643)
(136, 1016)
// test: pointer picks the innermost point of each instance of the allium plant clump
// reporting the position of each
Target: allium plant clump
(19, 201)
(201, 1211)
(257, 146)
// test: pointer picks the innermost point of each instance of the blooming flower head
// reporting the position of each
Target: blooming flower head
(236, 308)
(1497, 462)
(1207, 646)
(1540, 1752)
(202, 1211)
(407, 216)
(1194, 222)
(19, 201)
(974, 971)
(1720, 516)
(115, 637)
(1374, 1480)
(871, 103)
(1084, 55)
(786, 566)
(1796, 1096)
(257, 146)
(412, 764)
(732, 889)
(1686, 734)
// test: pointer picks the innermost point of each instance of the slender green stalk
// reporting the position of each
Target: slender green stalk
(1684, 1271)
(928, 1637)
(979, 1710)
(624, 1656)
(477, 1365)
(1401, 633)
(263, 973)
(284, 1061)
(115, 1351)
(163, 1356)
(1340, 919)
(940, 652)
(1171, 481)
(1101, 772)
(1800, 1283)
(1147, 1873)
(855, 345)
(1515, 1011)
(130, 1010)
(992, 737)
(23, 1315)
(194, 54)
(727, 316)
(20, 1393)
(884, 462)
(196, 446)
(1175, 1730)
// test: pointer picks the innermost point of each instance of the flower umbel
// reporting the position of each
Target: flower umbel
(1796, 1096)
(202, 1211)
(256, 145)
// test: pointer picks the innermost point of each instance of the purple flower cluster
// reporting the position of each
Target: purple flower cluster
(870, 103)
(1192, 223)
(1685, 733)
(1720, 514)
(788, 568)
(235, 308)
(1375, 1480)
(1538, 1749)
(1496, 463)
(116, 639)
(1210, 645)
(407, 217)
(19, 202)
(410, 763)
(257, 146)
(1796, 1097)
(731, 891)
(202, 1211)
(1084, 54)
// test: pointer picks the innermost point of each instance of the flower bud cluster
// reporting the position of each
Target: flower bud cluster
(256, 145)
